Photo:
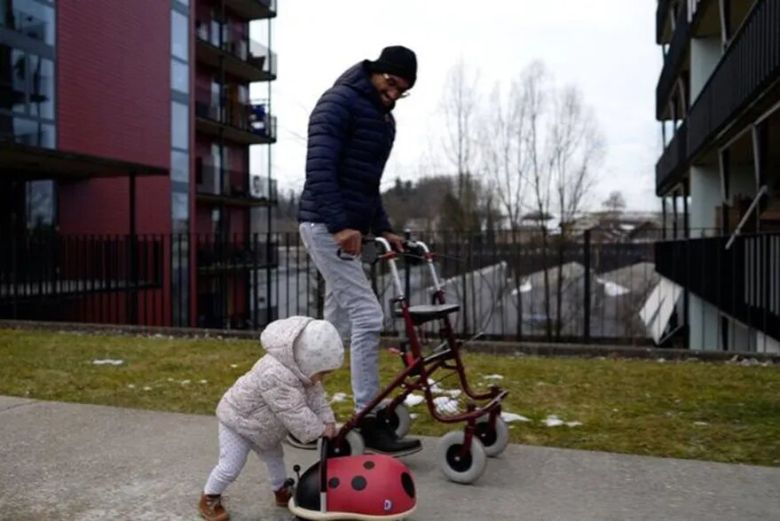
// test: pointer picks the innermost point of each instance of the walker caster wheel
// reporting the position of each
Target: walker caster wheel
(398, 419)
(465, 469)
(493, 440)
(351, 445)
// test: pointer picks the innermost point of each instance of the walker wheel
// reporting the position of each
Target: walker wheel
(493, 439)
(397, 419)
(466, 469)
(351, 445)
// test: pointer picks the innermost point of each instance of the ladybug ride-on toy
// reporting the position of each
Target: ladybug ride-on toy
(462, 454)
(365, 487)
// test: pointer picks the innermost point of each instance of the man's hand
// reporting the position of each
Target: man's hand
(350, 241)
(330, 430)
(396, 241)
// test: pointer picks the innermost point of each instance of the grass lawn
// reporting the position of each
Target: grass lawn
(711, 411)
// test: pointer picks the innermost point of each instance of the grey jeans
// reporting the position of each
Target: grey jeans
(350, 305)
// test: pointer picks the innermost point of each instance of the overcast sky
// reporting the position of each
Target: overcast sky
(605, 47)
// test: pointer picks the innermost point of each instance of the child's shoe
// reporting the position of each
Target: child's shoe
(283, 494)
(211, 508)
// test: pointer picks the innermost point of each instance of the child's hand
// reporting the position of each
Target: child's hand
(330, 430)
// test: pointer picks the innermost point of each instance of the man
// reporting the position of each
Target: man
(351, 133)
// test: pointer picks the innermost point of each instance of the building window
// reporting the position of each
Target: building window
(180, 76)
(40, 205)
(179, 36)
(30, 18)
(180, 126)
(33, 133)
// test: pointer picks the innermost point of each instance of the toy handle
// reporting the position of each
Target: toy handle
(324, 448)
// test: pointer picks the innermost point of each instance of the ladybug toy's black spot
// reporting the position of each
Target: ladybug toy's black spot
(359, 483)
(333, 482)
(408, 484)
(368, 465)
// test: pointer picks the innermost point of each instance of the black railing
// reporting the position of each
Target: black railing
(247, 117)
(673, 63)
(743, 281)
(114, 279)
(751, 64)
(672, 163)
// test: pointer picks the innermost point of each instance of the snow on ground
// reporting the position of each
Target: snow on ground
(492, 377)
(510, 417)
(338, 397)
(108, 361)
(413, 399)
(445, 405)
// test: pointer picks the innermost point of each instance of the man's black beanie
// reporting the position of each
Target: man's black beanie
(398, 61)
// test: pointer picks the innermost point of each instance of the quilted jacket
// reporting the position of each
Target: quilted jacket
(275, 397)
(350, 138)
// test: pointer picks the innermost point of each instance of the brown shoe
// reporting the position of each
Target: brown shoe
(211, 508)
(283, 494)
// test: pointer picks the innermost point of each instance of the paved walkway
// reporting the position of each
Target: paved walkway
(86, 462)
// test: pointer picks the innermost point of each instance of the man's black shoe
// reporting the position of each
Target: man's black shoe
(380, 439)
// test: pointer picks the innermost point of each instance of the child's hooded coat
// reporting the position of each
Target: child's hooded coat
(276, 397)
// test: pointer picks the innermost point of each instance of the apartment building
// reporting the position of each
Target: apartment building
(125, 178)
(718, 101)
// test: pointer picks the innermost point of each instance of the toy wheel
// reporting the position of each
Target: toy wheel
(398, 419)
(465, 469)
(352, 445)
(494, 440)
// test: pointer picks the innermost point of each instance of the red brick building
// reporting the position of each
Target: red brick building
(125, 130)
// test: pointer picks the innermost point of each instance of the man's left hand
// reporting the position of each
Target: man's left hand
(396, 241)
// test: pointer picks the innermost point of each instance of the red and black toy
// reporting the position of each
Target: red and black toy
(368, 487)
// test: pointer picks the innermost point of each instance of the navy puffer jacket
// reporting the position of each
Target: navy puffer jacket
(350, 137)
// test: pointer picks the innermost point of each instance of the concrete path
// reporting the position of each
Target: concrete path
(86, 462)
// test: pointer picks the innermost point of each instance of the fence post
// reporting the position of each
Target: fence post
(407, 268)
(586, 303)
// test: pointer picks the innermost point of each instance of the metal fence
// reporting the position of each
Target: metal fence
(586, 286)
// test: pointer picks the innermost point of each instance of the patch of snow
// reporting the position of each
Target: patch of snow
(147, 388)
(452, 393)
(131, 386)
(185, 382)
(445, 405)
(434, 386)
(510, 417)
(573, 424)
(108, 361)
(526, 286)
(203, 381)
(552, 421)
(338, 397)
(612, 289)
(492, 377)
(701, 424)
(233, 366)
(413, 399)
(413, 415)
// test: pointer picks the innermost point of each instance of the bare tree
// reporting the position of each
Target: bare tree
(615, 203)
(459, 105)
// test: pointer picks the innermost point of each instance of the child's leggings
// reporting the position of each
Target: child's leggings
(233, 451)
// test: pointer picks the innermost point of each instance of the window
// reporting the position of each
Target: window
(179, 35)
(29, 18)
(180, 126)
(180, 168)
(40, 205)
(180, 76)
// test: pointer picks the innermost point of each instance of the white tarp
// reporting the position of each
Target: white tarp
(659, 306)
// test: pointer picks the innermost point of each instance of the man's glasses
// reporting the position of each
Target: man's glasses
(393, 84)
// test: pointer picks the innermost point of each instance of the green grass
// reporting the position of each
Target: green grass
(710, 411)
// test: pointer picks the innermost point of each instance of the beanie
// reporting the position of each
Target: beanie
(318, 348)
(398, 61)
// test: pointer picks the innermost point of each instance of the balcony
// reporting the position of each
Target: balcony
(252, 9)
(672, 163)
(673, 63)
(233, 188)
(236, 121)
(243, 58)
(743, 281)
(750, 66)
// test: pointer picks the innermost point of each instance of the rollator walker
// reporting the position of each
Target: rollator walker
(461, 454)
